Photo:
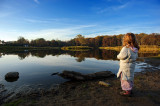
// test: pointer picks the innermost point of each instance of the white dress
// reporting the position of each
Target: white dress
(127, 63)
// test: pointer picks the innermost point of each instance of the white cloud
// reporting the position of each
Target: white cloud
(49, 20)
(48, 34)
(115, 30)
(36, 1)
(61, 34)
(113, 8)
(36, 21)
(69, 33)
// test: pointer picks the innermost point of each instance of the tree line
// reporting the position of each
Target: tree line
(80, 40)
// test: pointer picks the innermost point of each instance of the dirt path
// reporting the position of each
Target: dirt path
(90, 93)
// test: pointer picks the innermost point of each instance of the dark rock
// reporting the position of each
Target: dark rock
(12, 76)
(78, 76)
(72, 75)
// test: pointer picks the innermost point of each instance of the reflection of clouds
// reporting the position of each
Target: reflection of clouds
(69, 62)
(103, 61)
(8, 59)
(66, 60)
(61, 60)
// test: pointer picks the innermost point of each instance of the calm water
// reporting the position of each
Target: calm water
(36, 67)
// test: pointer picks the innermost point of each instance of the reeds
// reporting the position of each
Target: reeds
(143, 48)
(73, 48)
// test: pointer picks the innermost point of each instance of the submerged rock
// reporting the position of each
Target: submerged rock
(78, 76)
(12, 76)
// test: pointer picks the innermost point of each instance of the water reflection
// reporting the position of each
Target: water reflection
(22, 55)
(80, 59)
(80, 55)
(0, 55)
(36, 66)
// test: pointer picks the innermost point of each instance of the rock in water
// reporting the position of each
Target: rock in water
(72, 75)
(12, 75)
(78, 76)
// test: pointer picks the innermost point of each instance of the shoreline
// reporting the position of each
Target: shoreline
(146, 92)
(20, 48)
(143, 48)
(79, 93)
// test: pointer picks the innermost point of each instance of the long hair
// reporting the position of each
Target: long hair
(130, 40)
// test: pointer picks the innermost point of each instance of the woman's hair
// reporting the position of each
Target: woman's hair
(130, 39)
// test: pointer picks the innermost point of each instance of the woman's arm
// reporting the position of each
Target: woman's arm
(123, 54)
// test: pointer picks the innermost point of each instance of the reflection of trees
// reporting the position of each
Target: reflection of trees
(22, 56)
(98, 54)
(43, 53)
(80, 59)
(39, 54)
(81, 55)
(102, 54)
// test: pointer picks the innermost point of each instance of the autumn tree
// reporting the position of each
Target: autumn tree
(139, 38)
(22, 41)
(98, 41)
(53, 43)
(80, 39)
(119, 39)
(105, 41)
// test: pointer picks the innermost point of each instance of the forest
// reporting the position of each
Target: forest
(80, 40)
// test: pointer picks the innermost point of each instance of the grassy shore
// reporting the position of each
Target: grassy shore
(143, 48)
(76, 48)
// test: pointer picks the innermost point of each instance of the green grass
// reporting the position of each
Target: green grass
(75, 48)
(117, 48)
(143, 48)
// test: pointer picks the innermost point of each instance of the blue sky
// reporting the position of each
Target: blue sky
(64, 19)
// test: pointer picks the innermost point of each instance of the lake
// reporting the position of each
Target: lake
(36, 67)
